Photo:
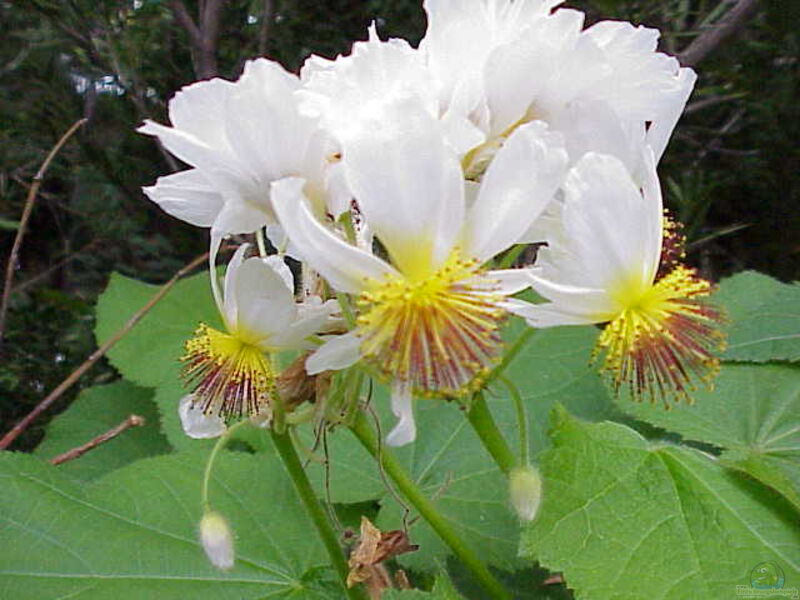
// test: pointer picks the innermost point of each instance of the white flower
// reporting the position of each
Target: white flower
(504, 62)
(231, 371)
(345, 92)
(238, 137)
(429, 314)
(603, 267)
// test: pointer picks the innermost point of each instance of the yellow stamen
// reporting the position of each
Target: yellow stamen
(664, 340)
(230, 377)
(439, 333)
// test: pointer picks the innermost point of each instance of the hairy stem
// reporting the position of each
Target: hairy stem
(288, 453)
(492, 439)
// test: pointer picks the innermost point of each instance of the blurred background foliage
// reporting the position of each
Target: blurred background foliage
(730, 173)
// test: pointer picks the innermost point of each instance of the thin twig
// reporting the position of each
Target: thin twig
(708, 41)
(131, 421)
(26, 214)
(698, 105)
(73, 377)
(268, 14)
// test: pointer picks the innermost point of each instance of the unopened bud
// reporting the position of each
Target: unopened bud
(525, 489)
(217, 540)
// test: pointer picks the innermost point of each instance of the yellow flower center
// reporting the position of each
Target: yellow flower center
(664, 339)
(230, 376)
(439, 333)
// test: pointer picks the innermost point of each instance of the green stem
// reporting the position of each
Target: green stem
(522, 419)
(426, 508)
(221, 441)
(286, 450)
(492, 439)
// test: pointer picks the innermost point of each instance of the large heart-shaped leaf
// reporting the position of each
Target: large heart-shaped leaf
(626, 518)
(753, 413)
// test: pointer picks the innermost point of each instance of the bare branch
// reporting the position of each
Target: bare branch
(131, 421)
(267, 15)
(185, 20)
(710, 39)
(23, 222)
(209, 30)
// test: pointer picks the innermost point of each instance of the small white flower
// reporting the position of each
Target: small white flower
(231, 371)
(603, 267)
(430, 314)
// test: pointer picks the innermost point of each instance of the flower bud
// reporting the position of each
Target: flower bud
(525, 490)
(217, 540)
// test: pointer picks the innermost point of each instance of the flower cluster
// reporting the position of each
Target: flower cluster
(400, 177)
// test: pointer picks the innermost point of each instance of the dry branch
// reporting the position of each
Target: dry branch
(23, 222)
(710, 39)
(131, 421)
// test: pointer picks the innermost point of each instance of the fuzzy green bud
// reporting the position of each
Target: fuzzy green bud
(525, 491)
(217, 540)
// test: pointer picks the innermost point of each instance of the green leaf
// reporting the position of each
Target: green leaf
(443, 589)
(625, 518)
(132, 535)
(95, 411)
(764, 315)
(149, 354)
(753, 413)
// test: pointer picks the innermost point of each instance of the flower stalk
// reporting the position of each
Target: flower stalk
(363, 432)
(288, 453)
(492, 439)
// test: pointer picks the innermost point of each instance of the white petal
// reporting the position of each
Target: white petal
(195, 423)
(594, 126)
(185, 146)
(267, 133)
(511, 281)
(337, 353)
(197, 109)
(405, 431)
(408, 183)
(576, 299)
(546, 315)
(309, 321)
(238, 217)
(230, 298)
(664, 122)
(609, 224)
(216, 242)
(187, 195)
(346, 267)
(518, 186)
(542, 54)
(266, 306)
(277, 264)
